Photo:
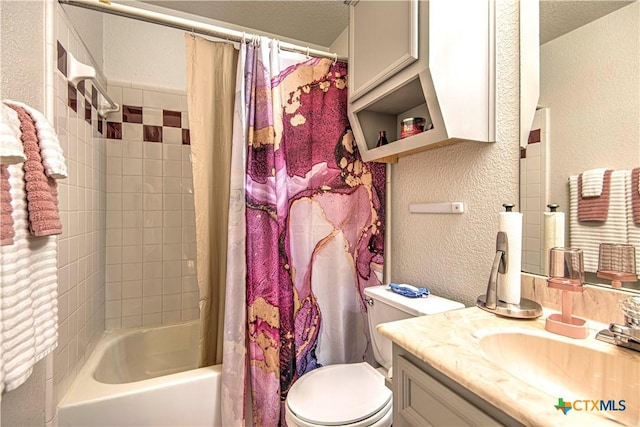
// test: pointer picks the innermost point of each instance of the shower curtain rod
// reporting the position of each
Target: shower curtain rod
(189, 25)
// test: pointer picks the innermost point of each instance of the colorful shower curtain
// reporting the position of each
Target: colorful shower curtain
(314, 217)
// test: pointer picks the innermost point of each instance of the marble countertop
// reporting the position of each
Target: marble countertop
(450, 343)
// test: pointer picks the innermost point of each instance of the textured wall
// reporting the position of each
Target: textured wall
(22, 30)
(589, 81)
(452, 254)
(341, 44)
(22, 74)
(142, 52)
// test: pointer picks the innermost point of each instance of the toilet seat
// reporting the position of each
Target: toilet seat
(347, 394)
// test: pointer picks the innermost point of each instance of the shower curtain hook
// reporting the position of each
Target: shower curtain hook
(193, 34)
(308, 53)
(244, 40)
(335, 59)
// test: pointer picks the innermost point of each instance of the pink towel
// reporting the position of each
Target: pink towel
(42, 194)
(635, 195)
(594, 208)
(6, 219)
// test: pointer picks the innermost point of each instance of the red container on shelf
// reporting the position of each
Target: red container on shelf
(411, 126)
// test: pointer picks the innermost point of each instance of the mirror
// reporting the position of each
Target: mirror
(589, 110)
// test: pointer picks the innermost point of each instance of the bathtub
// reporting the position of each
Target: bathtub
(144, 377)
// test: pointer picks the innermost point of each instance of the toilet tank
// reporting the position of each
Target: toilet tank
(385, 305)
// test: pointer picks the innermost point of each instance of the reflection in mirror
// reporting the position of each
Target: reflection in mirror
(589, 110)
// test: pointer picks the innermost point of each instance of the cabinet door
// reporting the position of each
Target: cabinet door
(421, 401)
(383, 39)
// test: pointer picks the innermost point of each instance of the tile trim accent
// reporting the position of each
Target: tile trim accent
(134, 115)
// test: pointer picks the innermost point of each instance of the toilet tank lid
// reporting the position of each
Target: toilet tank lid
(432, 304)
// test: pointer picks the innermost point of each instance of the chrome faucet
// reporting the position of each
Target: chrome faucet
(627, 336)
(622, 336)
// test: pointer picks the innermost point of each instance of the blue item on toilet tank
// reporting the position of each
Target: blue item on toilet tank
(409, 290)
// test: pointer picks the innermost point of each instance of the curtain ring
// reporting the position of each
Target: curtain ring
(244, 37)
(193, 34)
(335, 59)
(308, 53)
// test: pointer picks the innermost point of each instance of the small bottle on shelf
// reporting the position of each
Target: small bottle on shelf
(382, 139)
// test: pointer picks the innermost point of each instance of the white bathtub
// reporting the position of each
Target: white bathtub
(144, 377)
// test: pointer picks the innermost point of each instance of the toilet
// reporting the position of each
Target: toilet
(355, 394)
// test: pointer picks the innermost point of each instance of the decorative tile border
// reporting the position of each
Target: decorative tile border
(534, 138)
(137, 123)
(154, 124)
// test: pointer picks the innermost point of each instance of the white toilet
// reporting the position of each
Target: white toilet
(354, 394)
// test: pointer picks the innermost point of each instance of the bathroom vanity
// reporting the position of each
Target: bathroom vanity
(423, 396)
(470, 367)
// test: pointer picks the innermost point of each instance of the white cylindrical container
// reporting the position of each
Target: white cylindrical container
(553, 234)
(509, 288)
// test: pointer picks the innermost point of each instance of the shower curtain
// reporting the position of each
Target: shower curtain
(314, 217)
(211, 69)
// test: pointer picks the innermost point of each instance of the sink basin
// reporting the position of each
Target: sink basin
(570, 369)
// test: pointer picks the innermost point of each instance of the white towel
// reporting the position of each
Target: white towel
(592, 181)
(50, 149)
(11, 151)
(28, 293)
(588, 235)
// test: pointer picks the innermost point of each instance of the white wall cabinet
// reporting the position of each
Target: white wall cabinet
(383, 39)
(450, 81)
(424, 397)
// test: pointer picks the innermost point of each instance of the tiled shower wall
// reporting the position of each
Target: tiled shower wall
(150, 240)
(82, 199)
(533, 194)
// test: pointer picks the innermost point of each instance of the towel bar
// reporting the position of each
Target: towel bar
(78, 71)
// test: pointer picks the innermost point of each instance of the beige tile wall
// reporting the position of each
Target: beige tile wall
(82, 200)
(150, 253)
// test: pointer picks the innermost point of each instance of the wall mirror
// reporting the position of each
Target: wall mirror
(588, 111)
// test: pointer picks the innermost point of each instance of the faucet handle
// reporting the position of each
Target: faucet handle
(625, 332)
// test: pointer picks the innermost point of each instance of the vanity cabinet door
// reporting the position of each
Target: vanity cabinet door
(383, 39)
(421, 400)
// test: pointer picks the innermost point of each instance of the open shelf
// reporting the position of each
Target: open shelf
(414, 97)
(451, 84)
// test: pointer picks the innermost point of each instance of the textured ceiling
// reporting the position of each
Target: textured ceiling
(320, 22)
(560, 17)
(314, 22)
